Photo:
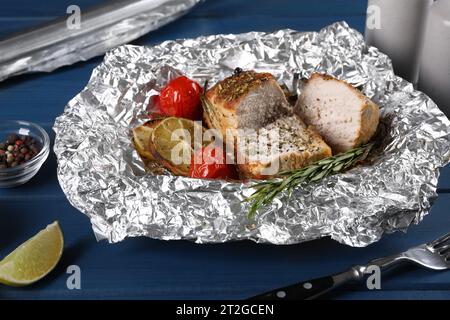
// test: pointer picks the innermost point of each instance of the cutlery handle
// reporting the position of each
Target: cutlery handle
(311, 289)
(314, 288)
(302, 291)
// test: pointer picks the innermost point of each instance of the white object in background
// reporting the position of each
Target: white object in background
(396, 27)
(435, 62)
(78, 38)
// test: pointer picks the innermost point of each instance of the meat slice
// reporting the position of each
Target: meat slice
(248, 108)
(245, 100)
(285, 144)
(340, 113)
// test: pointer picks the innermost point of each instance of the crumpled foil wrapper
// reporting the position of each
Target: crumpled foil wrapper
(103, 176)
(114, 23)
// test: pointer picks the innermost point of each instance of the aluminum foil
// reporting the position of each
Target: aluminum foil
(114, 23)
(103, 176)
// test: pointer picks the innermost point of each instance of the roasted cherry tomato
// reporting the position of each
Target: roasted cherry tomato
(211, 163)
(181, 98)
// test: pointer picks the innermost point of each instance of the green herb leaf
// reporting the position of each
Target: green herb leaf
(267, 191)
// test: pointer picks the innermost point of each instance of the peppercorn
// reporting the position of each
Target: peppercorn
(237, 71)
(11, 139)
(17, 149)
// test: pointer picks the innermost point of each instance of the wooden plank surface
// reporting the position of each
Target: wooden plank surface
(144, 268)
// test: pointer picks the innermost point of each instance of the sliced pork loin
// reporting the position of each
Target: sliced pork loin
(340, 113)
(245, 100)
(285, 144)
(250, 103)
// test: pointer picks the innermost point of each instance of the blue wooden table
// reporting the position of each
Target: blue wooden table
(150, 269)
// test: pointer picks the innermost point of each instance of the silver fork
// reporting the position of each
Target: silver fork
(434, 255)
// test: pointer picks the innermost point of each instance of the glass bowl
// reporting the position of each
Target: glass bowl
(12, 177)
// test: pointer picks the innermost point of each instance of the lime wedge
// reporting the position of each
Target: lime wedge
(33, 259)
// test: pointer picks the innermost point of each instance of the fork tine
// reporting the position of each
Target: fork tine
(441, 240)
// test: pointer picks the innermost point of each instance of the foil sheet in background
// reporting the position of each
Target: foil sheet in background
(102, 175)
(114, 23)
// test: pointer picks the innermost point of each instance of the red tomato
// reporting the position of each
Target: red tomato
(211, 163)
(181, 98)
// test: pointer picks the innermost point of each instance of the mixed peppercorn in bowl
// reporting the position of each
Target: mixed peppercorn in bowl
(24, 147)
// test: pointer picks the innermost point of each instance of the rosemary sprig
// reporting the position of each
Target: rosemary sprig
(267, 191)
